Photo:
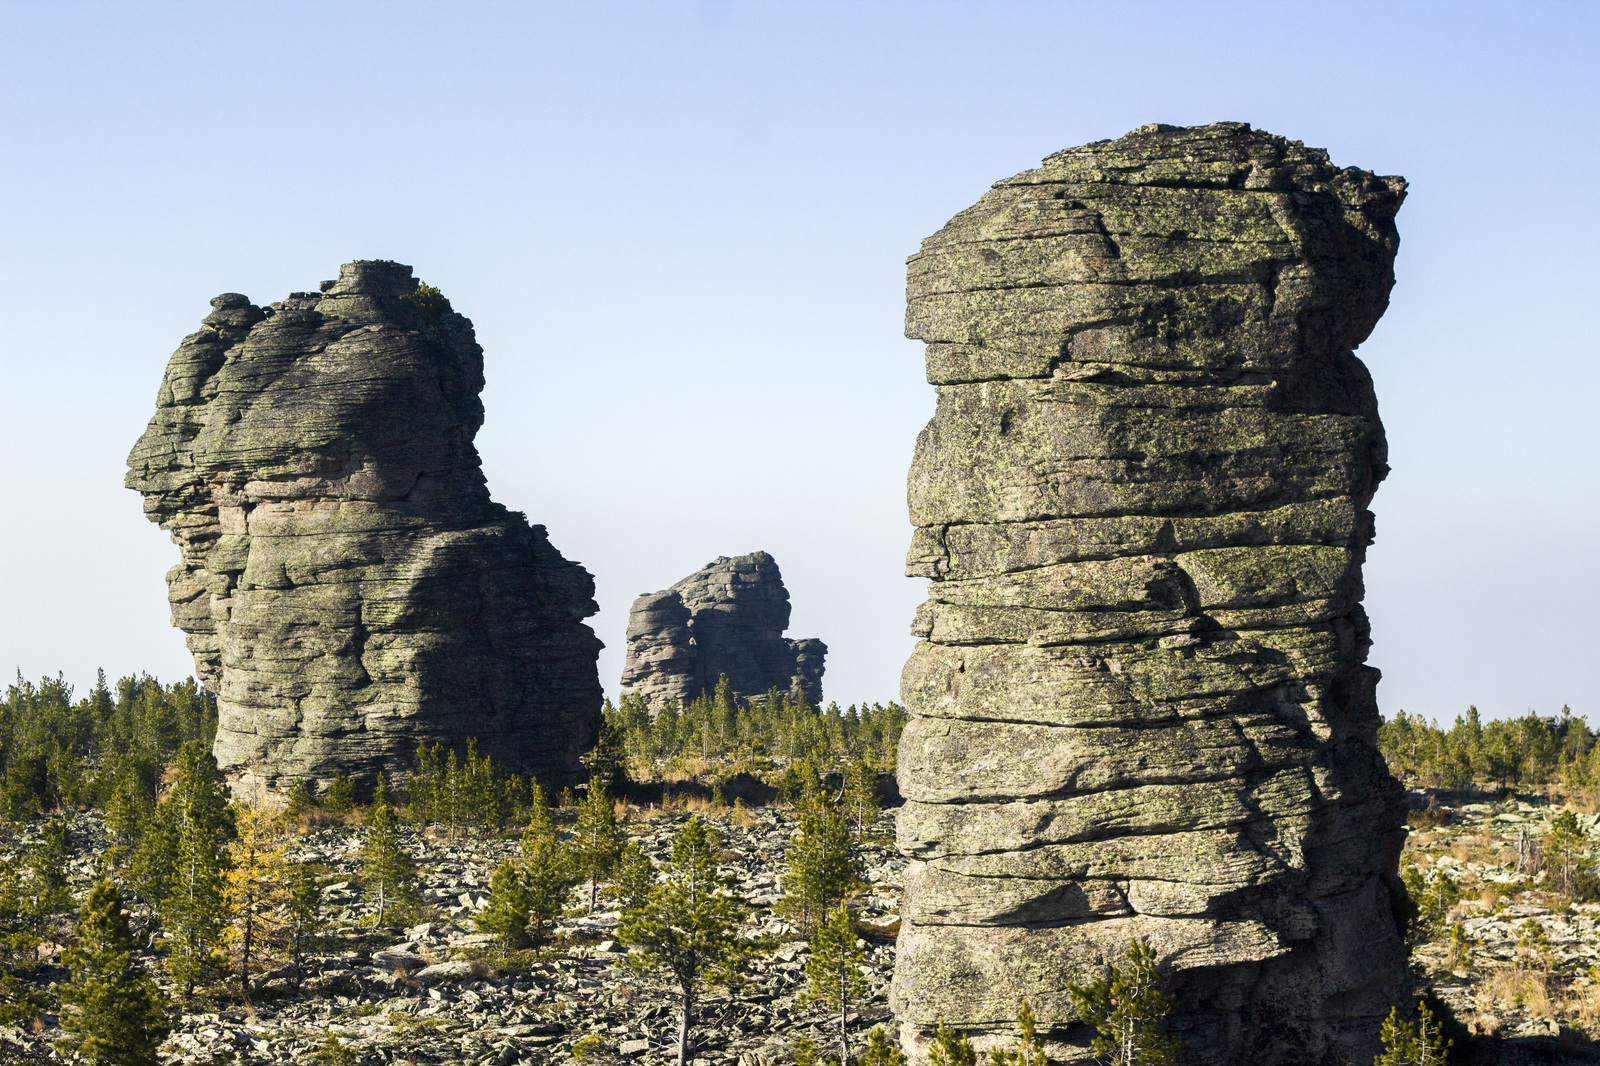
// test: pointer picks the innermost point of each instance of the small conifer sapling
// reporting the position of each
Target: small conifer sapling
(596, 839)
(833, 972)
(1129, 1010)
(387, 870)
(688, 925)
(116, 1014)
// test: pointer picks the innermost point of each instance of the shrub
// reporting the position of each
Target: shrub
(428, 302)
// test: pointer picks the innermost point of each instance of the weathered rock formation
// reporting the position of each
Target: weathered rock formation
(1140, 705)
(727, 618)
(347, 587)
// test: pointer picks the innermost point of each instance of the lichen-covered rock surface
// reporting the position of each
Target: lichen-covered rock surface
(1140, 705)
(725, 619)
(346, 585)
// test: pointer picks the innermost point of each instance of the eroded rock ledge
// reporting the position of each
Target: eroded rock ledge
(347, 587)
(725, 619)
(1140, 705)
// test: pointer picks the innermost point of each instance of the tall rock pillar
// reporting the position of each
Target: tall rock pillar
(1140, 705)
(346, 585)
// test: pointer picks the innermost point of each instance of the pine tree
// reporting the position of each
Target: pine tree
(688, 925)
(388, 872)
(608, 759)
(861, 794)
(951, 1047)
(301, 798)
(340, 795)
(20, 999)
(1028, 1050)
(635, 876)
(47, 864)
(184, 863)
(545, 870)
(127, 812)
(510, 905)
(304, 921)
(118, 1013)
(540, 822)
(257, 884)
(482, 790)
(449, 802)
(1128, 1009)
(822, 866)
(1405, 1044)
(426, 786)
(596, 839)
(833, 971)
(1564, 843)
(880, 1052)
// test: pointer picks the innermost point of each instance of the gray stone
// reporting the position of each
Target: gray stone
(1140, 706)
(346, 585)
(399, 959)
(725, 619)
(443, 972)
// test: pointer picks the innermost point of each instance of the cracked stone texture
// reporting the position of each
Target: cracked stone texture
(727, 618)
(1140, 705)
(347, 587)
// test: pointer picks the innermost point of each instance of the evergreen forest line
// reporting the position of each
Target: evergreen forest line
(200, 877)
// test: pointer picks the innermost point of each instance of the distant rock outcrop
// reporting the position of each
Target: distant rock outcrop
(727, 618)
(1140, 707)
(347, 587)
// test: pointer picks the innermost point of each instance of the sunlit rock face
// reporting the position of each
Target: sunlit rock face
(346, 585)
(726, 619)
(1140, 703)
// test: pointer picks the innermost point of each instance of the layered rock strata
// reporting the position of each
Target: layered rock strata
(725, 619)
(346, 585)
(1140, 705)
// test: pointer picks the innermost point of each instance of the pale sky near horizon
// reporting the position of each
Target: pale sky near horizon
(680, 229)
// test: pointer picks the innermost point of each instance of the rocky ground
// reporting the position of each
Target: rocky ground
(1516, 959)
(441, 992)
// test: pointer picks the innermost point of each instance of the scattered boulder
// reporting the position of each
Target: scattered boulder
(399, 959)
(346, 585)
(1140, 705)
(725, 619)
(452, 971)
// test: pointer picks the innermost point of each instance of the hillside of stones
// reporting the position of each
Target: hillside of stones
(437, 990)
(1507, 938)
(1511, 949)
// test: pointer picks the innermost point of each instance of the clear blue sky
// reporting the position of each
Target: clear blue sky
(681, 232)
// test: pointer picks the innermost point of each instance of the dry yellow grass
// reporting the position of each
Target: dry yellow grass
(1586, 1006)
(1518, 985)
(1538, 998)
